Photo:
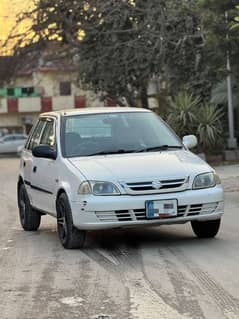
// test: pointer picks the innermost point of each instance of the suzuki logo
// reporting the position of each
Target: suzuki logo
(156, 184)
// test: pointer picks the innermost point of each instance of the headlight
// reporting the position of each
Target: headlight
(98, 188)
(84, 188)
(206, 180)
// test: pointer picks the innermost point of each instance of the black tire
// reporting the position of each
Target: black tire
(30, 219)
(70, 237)
(206, 229)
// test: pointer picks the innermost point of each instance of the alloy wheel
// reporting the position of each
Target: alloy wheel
(61, 221)
(22, 204)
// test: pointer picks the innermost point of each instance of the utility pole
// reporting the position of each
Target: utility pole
(232, 142)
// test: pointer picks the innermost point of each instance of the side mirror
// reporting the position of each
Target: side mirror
(44, 151)
(190, 141)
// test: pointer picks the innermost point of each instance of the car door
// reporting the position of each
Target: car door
(19, 141)
(44, 176)
(7, 144)
(26, 158)
(14, 144)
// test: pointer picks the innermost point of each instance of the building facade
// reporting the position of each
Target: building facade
(42, 89)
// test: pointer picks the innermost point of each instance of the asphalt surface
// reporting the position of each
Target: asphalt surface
(152, 273)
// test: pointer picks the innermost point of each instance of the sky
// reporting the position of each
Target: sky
(9, 9)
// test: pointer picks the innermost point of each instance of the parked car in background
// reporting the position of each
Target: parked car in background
(114, 168)
(10, 143)
(3, 132)
(20, 149)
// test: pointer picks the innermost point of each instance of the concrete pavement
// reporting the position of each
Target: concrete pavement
(154, 273)
(230, 177)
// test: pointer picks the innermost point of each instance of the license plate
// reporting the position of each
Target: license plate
(161, 208)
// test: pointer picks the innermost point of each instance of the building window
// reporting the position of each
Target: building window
(65, 88)
(18, 92)
(10, 92)
(28, 91)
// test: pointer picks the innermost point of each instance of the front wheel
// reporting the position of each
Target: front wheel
(206, 229)
(70, 237)
(30, 219)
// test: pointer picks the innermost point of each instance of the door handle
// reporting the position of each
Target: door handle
(24, 163)
(34, 169)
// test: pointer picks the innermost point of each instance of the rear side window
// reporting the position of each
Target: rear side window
(48, 135)
(35, 138)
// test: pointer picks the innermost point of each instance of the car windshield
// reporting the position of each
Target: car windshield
(115, 133)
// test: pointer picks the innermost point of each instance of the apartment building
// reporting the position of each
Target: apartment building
(40, 87)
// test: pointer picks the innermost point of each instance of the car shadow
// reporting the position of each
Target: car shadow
(130, 239)
(146, 237)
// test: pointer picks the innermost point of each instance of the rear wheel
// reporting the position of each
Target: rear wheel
(30, 219)
(70, 237)
(206, 229)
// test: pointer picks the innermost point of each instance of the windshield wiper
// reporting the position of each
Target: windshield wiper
(158, 148)
(121, 151)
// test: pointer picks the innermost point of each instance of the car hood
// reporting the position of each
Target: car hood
(137, 166)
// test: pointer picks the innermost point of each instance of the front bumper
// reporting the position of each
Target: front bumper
(105, 212)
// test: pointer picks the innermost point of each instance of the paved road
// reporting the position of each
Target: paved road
(158, 273)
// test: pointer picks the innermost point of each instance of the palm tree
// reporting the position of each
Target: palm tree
(210, 128)
(219, 93)
(182, 113)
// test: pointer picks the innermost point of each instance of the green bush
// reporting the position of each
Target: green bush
(187, 115)
(209, 128)
(182, 115)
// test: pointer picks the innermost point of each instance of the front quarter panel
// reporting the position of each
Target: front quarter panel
(69, 180)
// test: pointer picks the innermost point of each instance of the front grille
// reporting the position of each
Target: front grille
(123, 215)
(181, 210)
(155, 186)
(140, 214)
(194, 210)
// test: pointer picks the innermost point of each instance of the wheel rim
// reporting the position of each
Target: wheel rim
(22, 205)
(61, 221)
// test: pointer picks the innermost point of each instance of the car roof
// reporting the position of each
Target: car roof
(95, 110)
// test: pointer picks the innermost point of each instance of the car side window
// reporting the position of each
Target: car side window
(20, 138)
(48, 135)
(9, 139)
(35, 138)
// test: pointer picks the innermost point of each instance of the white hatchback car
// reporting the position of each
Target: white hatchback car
(102, 168)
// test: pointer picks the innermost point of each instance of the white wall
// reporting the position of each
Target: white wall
(29, 104)
(3, 105)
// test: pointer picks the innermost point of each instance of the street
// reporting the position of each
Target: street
(148, 273)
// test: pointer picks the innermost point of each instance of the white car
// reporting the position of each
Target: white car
(10, 143)
(102, 168)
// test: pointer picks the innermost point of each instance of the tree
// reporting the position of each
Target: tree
(121, 45)
(218, 34)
